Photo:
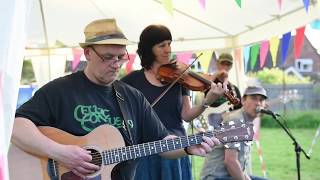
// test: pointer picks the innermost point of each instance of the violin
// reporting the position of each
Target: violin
(191, 80)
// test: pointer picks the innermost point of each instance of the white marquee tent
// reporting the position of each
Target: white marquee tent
(222, 24)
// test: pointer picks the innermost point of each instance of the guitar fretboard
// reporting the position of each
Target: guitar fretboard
(150, 148)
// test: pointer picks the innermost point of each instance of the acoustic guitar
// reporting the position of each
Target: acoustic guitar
(107, 149)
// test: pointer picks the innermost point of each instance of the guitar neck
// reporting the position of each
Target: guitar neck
(150, 148)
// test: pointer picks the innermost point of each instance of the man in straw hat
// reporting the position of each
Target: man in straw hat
(231, 160)
(82, 101)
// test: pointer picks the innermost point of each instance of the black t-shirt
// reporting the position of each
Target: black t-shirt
(76, 105)
(170, 105)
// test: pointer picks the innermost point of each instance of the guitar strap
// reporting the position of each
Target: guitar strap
(121, 102)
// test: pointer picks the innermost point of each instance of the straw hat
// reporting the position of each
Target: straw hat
(104, 31)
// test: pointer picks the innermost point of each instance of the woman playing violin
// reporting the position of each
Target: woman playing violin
(154, 50)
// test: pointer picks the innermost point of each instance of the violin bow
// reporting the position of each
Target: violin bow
(175, 81)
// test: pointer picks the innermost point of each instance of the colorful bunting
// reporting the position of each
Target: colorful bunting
(167, 4)
(298, 41)
(77, 53)
(274, 44)
(239, 3)
(284, 46)
(129, 64)
(264, 48)
(238, 58)
(253, 55)
(203, 4)
(280, 4)
(246, 54)
(184, 57)
(306, 5)
(315, 24)
(205, 59)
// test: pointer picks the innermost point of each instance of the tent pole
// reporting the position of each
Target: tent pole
(46, 37)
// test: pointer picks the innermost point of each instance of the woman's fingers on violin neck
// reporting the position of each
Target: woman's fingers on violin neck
(225, 86)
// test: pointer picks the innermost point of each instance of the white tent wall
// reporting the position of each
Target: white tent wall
(13, 40)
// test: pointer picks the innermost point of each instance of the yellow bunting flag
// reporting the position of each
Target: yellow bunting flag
(205, 59)
(167, 4)
(274, 45)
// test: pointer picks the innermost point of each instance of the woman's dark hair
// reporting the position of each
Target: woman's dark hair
(149, 37)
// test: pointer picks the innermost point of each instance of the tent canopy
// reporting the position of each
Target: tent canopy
(221, 25)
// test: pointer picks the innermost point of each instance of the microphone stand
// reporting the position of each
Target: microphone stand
(297, 148)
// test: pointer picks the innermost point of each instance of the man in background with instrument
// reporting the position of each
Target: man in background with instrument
(82, 102)
(224, 65)
(230, 161)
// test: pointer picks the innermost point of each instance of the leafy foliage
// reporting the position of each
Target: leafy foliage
(27, 75)
(277, 76)
(295, 119)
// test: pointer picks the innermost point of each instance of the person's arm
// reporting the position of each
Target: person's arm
(26, 136)
(189, 113)
(199, 150)
(233, 165)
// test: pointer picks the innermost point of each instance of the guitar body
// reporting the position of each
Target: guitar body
(23, 165)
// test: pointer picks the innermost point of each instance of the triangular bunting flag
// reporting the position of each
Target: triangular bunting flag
(315, 24)
(238, 58)
(246, 55)
(167, 4)
(306, 5)
(280, 4)
(202, 4)
(253, 55)
(77, 53)
(184, 57)
(284, 46)
(239, 3)
(298, 41)
(274, 45)
(129, 64)
(205, 59)
(264, 48)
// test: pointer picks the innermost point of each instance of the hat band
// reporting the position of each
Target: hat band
(104, 37)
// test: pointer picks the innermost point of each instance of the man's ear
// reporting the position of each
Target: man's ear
(87, 53)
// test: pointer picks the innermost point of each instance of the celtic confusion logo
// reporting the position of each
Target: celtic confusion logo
(92, 116)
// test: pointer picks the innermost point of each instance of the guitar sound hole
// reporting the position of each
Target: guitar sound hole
(96, 157)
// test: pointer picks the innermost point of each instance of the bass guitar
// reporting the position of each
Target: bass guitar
(107, 149)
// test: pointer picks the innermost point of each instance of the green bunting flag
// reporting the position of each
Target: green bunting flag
(239, 3)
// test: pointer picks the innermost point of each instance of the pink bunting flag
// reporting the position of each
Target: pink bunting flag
(280, 4)
(77, 53)
(184, 57)
(238, 58)
(264, 48)
(1, 167)
(203, 4)
(129, 64)
(298, 41)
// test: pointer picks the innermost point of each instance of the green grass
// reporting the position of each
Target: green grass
(279, 155)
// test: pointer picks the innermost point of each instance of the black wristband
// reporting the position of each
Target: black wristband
(186, 150)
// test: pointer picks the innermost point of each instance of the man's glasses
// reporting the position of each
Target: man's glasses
(112, 58)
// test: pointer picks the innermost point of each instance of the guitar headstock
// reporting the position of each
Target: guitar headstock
(234, 131)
